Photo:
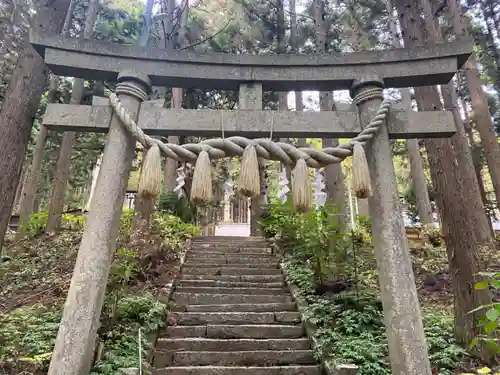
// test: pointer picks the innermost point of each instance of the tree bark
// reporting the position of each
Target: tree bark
(171, 165)
(61, 174)
(493, 50)
(334, 177)
(424, 207)
(21, 186)
(27, 204)
(20, 106)
(479, 103)
(459, 142)
(477, 165)
(282, 96)
(14, 39)
(458, 227)
(28, 201)
(467, 168)
(294, 42)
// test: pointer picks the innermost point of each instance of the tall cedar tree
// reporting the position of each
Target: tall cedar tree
(462, 245)
(21, 104)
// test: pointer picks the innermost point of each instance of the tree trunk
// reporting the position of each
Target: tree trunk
(334, 178)
(61, 174)
(463, 153)
(489, 20)
(479, 103)
(21, 186)
(13, 40)
(424, 207)
(467, 168)
(461, 243)
(477, 165)
(294, 42)
(28, 200)
(282, 96)
(27, 205)
(171, 165)
(95, 174)
(20, 106)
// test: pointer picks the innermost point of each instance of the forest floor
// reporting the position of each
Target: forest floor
(34, 280)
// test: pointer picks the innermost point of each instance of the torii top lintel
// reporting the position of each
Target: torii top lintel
(402, 67)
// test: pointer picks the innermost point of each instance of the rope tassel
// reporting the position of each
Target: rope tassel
(301, 187)
(150, 180)
(360, 172)
(249, 180)
(201, 187)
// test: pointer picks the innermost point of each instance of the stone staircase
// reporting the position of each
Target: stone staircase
(231, 314)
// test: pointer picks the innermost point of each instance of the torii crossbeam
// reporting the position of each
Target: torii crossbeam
(137, 68)
(158, 121)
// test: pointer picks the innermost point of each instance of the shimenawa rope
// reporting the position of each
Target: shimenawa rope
(261, 147)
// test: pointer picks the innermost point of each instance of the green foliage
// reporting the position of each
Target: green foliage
(350, 328)
(433, 235)
(73, 222)
(301, 276)
(27, 336)
(313, 237)
(173, 230)
(121, 340)
(280, 220)
(180, 207)
(444, 352)
(489, 320)
(36, 223)
(126, 222)
(365, 223)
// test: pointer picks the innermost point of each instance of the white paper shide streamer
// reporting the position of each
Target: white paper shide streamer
(318, 186)
(283, 188)
(228, 185)
(181, 177)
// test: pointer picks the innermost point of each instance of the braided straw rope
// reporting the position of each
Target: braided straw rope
(265, 147)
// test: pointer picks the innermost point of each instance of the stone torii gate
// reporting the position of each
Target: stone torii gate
(136, 69)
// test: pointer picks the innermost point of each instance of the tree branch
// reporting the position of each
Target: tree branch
(208, 38)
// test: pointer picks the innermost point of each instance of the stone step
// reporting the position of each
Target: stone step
(231, 331)
(212, 299)
(270, 262)
(215, 263)
(231, 370)
(234, 358)
(246, 278)
(221, 271)
(240, 307)
(226, 242)
(206, 318)
(222, 254)
(230, 250)
(192, 344)
(233, 238)
(229, 290)
(226, 284)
